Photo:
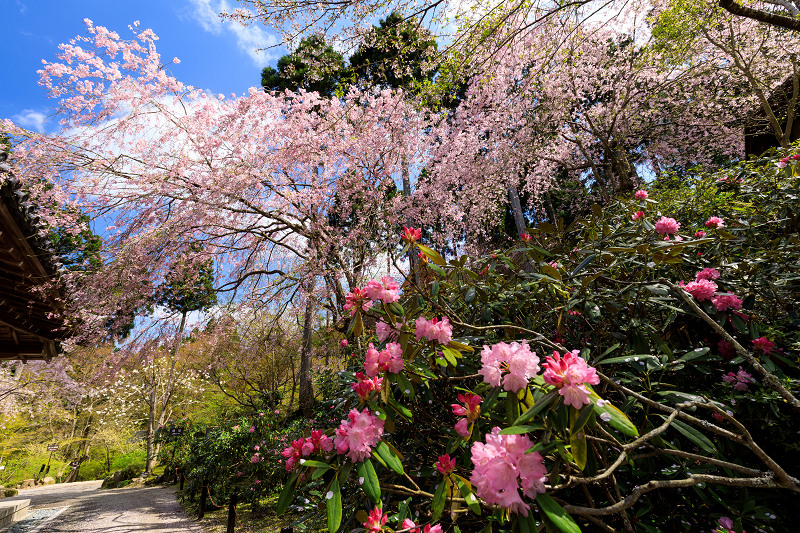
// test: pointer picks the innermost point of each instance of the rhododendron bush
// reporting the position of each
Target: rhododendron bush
(579, 380)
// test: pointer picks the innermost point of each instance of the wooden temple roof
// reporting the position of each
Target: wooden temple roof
(29, 304)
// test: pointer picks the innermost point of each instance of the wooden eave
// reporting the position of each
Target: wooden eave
(30, 306)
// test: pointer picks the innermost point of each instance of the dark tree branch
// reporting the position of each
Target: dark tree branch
(762, 16)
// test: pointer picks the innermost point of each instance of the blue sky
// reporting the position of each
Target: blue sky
(215, 55)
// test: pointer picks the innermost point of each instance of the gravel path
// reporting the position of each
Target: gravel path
(88, 509)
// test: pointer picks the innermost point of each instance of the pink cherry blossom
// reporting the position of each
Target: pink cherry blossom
(569, 375)
(434, 329)
(502, 467)
(356, 436)
(387, 290)
(766, 346)
(641, 194)
(701, 289)
(715, 223)
(667, 226)
(516, 360)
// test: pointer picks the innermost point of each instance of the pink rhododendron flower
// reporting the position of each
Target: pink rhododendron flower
(519, 362)
(667, 226)
(252, 429)
(766, 346)
(320, 441)
(641, 194)
(700, 234)
(364, 386)
(412, 527)
(390, 359)
(783, 162)
(462, 428)
(715, 223)
(357, 300)
(707, 273)
(725, 525)
(502, 467)
(638, 215)
(569, 376)
(411, 235)
(385, 331)
(434, 330)
(256, 458)
(525, 237)
(343, 343)
(375, 520)
(739, 380)
(701, 289)
(356, 436)
(445, 464)
(387, 290)
(723, 302)
(470, 406)
(725, 349)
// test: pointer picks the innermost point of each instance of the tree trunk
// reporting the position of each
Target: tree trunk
(412, 256)
(151, 432)
(516, 209)
(306, 388)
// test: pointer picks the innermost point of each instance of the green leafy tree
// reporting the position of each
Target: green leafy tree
(313, 66)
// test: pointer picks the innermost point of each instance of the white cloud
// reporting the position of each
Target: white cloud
(31, 119)
(252, 40)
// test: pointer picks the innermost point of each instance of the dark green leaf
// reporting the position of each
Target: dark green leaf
(370, 484)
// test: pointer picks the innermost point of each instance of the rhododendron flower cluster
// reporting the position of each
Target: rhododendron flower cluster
(524, 237)
(715, 223)
(412, 527)
(739, 380)
(445, 464)
(303, 447)
(723, 302)
(766, 346)
(700, 234)
(434, 329)
(502, 467)
(356, 436)
(385, 331)
(517, 360)
(701, 289)
(390, 359)
(387, 290)
(569, 375)
(411, 235)
(357, 300)
(375, 520)
(365, 386)
(667, 226)
(641, 194)
(707, 273)
(470, 409)
(638, 215)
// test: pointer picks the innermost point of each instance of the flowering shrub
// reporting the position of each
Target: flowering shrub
(652, 382)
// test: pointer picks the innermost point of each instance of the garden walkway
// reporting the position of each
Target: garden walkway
(83, 508)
